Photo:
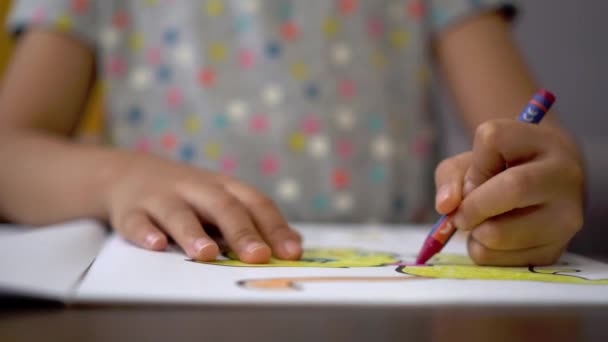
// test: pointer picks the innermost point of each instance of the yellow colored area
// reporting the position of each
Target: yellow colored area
(323, 257)
(443, 266)
(448, 266)
(91, 125)
(6, 45)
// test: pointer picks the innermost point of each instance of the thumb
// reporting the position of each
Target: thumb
(449, 177)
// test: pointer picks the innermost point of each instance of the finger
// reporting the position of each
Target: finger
(449, 176)
(528, 228)
(217, 236)
(498, 143)
(180, 221)
(136, 227)
(284, 241)
(536, 256)
(226, 212)
(517, 187)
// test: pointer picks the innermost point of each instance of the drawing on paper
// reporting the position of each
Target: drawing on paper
(451, 266)
(442, 266)
(295, 283)
(323, 257)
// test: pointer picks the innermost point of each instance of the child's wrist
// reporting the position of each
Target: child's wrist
(115, 164)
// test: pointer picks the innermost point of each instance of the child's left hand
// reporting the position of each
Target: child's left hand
(519, 192)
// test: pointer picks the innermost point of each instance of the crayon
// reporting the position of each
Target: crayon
(444, 229)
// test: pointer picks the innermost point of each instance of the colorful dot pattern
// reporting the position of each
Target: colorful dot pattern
(321, 104)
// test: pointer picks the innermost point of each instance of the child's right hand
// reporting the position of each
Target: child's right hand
(151, 198)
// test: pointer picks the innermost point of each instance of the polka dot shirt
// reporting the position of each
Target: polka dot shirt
(323, 105)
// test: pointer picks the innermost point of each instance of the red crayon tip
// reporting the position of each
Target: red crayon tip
(547, 95)
(430, 248)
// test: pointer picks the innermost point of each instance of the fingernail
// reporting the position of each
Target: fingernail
(443, 193)
(254, 246)
(468, 187)
(152, 239)
(292, 248)
(200, 245)
(458, 221)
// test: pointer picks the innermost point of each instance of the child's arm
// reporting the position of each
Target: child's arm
(45, 178)
(485, 71)
(528, 213)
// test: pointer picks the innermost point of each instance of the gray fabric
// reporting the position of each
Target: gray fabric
(322, 105)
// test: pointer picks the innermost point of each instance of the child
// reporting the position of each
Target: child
(253, 113)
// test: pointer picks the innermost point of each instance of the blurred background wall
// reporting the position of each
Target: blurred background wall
(566, 44)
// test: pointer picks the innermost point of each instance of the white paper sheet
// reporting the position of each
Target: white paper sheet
(6, 230)
(124, 273)
(48, 262)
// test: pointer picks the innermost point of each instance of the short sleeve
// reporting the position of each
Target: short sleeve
(76, 17)
(444, 13)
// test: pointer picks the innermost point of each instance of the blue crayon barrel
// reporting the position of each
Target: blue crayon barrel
(538, 106)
